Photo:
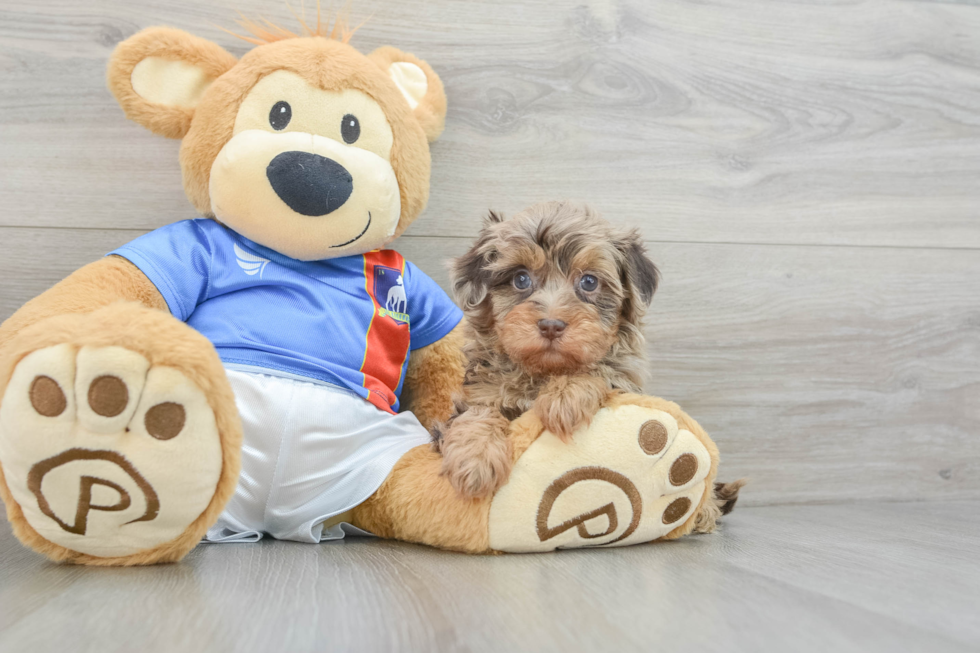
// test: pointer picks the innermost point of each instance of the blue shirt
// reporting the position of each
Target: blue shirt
(348, 321)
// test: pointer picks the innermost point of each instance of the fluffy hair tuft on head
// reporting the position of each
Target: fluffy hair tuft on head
(264, 31)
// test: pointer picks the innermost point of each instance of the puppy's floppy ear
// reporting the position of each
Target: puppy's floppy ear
(420, 86)
(159, 75)
(638, 272)
(470, 272)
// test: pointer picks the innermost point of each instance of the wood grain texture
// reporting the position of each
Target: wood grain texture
(855, 122)
(805, 175)
(824, 373)
(864, 577)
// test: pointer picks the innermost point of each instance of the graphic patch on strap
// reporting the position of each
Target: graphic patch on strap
(389, 293)
(388, 335)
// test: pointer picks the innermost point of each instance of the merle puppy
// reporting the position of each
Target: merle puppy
(554, 299)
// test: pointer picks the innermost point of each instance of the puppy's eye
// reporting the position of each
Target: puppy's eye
(280, 115)
(588, 283)
(522, 280)
(350, 128)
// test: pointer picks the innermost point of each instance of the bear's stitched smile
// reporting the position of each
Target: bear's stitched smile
(358, 236)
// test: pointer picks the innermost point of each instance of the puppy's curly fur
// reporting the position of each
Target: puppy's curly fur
(554, 299)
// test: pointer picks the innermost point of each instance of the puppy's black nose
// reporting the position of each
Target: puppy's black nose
(308, 183)
(551, 329)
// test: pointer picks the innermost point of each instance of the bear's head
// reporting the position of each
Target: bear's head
(304, 145)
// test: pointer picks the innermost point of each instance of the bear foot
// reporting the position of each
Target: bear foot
(109, 459)
(633, 475)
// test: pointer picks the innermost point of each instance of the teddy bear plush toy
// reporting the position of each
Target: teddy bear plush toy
(270, 368)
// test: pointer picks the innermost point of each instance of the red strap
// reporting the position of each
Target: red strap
(388, 338)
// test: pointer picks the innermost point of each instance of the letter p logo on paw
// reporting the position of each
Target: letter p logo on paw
(607, 480)
(86, 486)
(631, 476)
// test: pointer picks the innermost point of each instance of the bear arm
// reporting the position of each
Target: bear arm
(435, 374)
(108, 280)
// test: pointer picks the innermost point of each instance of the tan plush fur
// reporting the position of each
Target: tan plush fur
(431, 110)
(98, 284)
(125, 311)
(166, 43)
(434, 375)
(416, 504)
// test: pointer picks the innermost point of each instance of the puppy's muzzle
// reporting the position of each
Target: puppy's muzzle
(308, 183)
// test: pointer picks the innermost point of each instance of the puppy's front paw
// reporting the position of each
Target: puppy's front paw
(568, 404)
(478, 476)
(476, 453)
(559, 416)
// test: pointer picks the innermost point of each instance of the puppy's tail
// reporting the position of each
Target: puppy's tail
(723, 498)
(726, 494)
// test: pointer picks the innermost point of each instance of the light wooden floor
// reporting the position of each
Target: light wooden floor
(862, 577)
(807, 176)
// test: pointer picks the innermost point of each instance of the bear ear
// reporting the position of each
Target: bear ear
(159, 75)
(420, 86)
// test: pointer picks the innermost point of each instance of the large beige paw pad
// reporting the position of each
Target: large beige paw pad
(632, 476)
(104, 454)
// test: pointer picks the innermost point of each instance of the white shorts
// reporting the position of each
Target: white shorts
(310, 451)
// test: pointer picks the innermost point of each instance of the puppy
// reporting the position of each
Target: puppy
(554, 299)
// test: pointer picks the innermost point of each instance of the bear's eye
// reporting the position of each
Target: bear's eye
(280, 115)
(522, 280)
(588, 283)
(350, 128)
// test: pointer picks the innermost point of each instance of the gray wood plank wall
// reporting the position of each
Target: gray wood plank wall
(806, 174)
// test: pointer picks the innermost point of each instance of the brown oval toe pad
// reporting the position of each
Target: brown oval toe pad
(47, 397)
(165, 421)
(683, 469)
(676, 510)
(108, 396)
(653, 437)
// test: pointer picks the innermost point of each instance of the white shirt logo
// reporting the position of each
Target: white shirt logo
(250, 263)
(397, 301)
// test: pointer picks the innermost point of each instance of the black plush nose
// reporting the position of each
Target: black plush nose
(308, 183)
(551, 329)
